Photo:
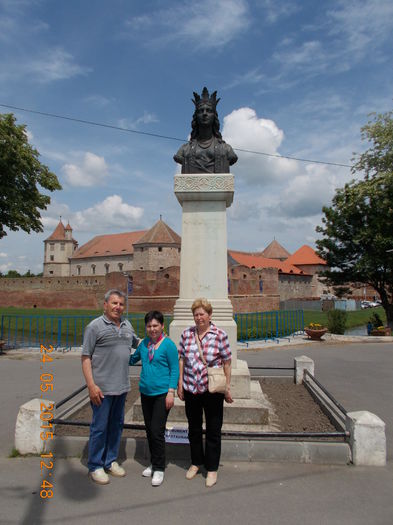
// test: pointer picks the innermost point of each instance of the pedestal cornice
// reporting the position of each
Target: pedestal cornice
(201, 187)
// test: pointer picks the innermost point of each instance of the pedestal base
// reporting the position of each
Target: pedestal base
(244, 414)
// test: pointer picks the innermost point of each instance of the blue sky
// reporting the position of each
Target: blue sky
(296, 78)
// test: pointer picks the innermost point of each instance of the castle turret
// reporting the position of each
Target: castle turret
(59, 247)
(158, 248)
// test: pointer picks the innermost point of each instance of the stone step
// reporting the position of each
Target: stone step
(252, 411)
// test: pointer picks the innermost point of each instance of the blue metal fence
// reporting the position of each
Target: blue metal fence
(66, 331)
(269, 325)
(18, 331)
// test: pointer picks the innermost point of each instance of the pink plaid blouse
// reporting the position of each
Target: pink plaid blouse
(215, 347)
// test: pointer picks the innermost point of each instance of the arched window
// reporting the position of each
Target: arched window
(120, 265)
(106, 268)
(93, 269)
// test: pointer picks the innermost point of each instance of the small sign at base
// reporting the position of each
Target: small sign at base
(176, 435)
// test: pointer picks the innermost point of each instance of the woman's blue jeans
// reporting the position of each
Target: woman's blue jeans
(105, 432)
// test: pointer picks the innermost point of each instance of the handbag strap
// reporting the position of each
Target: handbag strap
(200, 348)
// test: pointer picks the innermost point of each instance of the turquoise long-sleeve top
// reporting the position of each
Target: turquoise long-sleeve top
(162, 372)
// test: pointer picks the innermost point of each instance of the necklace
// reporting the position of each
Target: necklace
(204, 144)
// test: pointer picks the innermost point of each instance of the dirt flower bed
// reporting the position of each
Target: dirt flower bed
(295, 410)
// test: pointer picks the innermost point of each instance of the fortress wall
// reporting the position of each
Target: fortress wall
(150, 290)
(295, 286)
(254, 303)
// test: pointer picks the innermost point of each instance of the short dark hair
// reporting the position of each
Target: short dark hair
(154, 315)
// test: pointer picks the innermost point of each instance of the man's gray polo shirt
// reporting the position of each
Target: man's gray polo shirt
(109, 347)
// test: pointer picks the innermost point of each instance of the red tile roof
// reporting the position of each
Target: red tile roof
(305, 255)
(58, 234)
(106, 245)
(258, 261)
(275, 251)
(160, 233)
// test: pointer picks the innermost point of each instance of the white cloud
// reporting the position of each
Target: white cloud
(110, 215)
(45, 67)
(274, 10)
(91, 171)
(254, 76)
(205, 24)
(310, 56)
(99, 101)
(3, 254)
(349, 32)
(146, 118)
(54, 64)
(305, 194)
(364, 24)
(244, 130)
(242, 209)
(5, 267)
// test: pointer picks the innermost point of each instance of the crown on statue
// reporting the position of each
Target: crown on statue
(205, 98)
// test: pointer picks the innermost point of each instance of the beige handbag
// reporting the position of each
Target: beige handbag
(216, 377)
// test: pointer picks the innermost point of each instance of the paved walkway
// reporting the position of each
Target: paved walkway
(359, 375)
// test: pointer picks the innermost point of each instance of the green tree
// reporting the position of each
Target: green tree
(12, 274)
(21, 178)
(357, 228)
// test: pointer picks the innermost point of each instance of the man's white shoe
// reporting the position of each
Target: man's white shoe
(158, 478)
(116, 470)
(99, 476)
(147, 473)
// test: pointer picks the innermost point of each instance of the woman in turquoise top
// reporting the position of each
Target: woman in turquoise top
(157, 383)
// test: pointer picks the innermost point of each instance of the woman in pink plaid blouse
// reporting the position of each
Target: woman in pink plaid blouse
(193, 388)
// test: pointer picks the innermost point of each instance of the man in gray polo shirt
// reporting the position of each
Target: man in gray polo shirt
(107, 343)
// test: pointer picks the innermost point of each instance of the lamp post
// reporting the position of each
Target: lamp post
(127, 281)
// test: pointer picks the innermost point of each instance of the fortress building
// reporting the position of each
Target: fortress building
(153, 249)
(147, 263)
(58, 250)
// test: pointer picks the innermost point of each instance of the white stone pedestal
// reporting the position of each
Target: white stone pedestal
(204, 273)
(203, 260)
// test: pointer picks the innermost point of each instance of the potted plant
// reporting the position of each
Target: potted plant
(378, 328)
(315, 331)
(381, 331)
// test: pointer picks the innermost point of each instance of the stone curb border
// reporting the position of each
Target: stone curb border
(366, 444)
(324, 453)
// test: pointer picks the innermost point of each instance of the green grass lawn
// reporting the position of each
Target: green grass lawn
(65, 327)
(35, 326)
(357, 318)
(47, 311)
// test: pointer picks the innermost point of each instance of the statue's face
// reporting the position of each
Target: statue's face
(205, 115)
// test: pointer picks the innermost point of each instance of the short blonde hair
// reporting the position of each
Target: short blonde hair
(202, 303)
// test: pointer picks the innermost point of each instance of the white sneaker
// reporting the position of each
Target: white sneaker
(158, 478)
(99, 476)
(147, 473)
(116, 470)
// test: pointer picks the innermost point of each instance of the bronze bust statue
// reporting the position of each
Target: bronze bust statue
(206, 152)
